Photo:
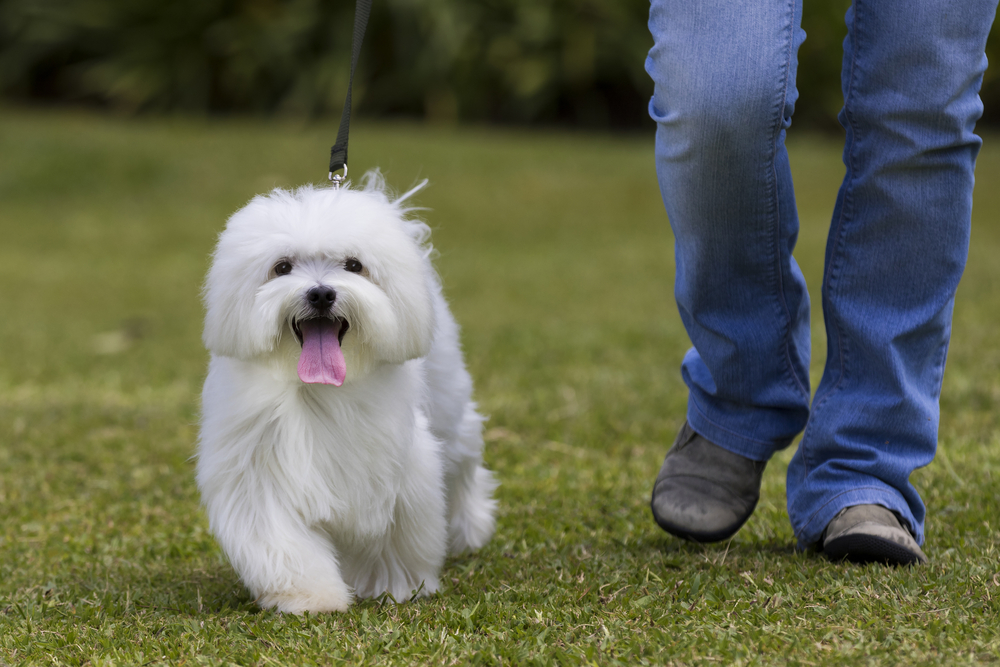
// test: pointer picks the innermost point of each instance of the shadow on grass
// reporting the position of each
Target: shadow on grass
(667, 547)
(204, 590)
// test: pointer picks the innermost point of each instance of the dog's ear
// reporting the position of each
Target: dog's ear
(399, 319)
(416, 310)
(237, 272)
(420, 305)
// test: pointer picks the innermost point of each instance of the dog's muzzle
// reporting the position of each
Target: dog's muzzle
(320, 300)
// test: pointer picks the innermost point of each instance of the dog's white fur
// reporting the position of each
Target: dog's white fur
(320, 493)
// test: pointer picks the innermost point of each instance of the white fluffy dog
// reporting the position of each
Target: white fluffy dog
(340, 450)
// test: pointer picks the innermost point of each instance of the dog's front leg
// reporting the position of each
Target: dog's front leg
(410, 560)
(284, 563)
(470, 486)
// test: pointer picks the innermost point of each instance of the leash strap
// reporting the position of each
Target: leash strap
(338, 154)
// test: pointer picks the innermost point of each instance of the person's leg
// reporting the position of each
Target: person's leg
(897, 247)
(724, 75)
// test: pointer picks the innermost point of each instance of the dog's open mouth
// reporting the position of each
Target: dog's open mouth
(321, 360)
(340, 322)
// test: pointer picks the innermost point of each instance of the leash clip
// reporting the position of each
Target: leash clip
(337, 179)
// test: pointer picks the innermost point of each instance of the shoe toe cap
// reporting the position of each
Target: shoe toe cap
(869, 534)
(696, 509)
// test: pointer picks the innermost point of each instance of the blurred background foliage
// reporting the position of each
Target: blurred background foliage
(574, 62)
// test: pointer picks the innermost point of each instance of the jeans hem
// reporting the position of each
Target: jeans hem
(751, 448)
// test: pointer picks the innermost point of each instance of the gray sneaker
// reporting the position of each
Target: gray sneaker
(870, 534)
(704, 493)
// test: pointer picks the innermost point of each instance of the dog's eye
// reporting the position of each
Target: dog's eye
(353, 265)
(283, 268)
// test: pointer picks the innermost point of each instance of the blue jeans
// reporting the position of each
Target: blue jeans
(724, 74)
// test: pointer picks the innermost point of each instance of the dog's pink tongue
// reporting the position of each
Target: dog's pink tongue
(322, 361)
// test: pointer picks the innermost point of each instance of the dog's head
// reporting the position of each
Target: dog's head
(338, 279)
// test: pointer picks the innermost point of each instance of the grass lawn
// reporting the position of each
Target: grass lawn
(557, 258)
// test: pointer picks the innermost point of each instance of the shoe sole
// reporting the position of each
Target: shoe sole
(860, 548)
(702, 538)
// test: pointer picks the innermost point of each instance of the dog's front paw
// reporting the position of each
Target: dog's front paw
(314, 598)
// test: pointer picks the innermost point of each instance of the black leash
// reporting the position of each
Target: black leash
(338, 154)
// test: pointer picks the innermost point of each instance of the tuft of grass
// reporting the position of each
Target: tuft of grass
(557, 259)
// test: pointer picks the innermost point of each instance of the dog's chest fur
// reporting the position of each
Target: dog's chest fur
(336, 455)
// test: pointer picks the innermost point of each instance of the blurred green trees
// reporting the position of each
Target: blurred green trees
(543, 61)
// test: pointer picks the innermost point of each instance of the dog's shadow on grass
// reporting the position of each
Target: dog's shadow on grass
(211, 590)
(216, 589)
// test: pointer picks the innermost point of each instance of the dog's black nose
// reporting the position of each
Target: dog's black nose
(321, 298)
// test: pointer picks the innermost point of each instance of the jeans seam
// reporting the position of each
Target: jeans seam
(791, 374)
(829, 278)
(940, 363)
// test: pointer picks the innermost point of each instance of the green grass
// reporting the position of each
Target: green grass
(557, 258)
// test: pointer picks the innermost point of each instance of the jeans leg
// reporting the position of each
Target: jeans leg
(724, 75)
(896, 250)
